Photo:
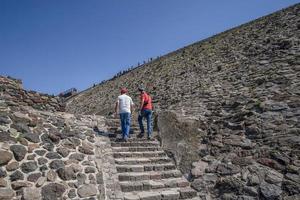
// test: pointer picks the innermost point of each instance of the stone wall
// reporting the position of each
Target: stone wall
(242, 89)
(50, 155)
(11, 89)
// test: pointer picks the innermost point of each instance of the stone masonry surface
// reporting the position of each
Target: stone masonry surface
(48, 155)
(227, 108)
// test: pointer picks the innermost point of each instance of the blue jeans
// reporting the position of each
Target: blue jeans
(125, 124)
(148, 115)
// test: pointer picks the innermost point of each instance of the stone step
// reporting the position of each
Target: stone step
(135, 143)
(139, 161)
(135, 149)
(145, 168)
(145, 154)
(129, 186)
(152, 175)
(163, 194)
(133, 138)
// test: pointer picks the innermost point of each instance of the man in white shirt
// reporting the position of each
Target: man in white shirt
(124, 106)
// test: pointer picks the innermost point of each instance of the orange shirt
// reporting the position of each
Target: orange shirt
(147, 101)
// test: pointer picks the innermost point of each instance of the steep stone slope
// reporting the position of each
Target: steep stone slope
(262, 54)
(228, 108)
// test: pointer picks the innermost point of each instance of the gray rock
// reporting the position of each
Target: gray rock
(48, 146)
(66, 173)
(19, 151)
(56, 164)
(81, 178)
(12, 166)
(72, 193)
(229, 185)
(20, 184)
(291, 187)
(51, 175)
(4, 120)
(87, 191)
(32, 137)
(64, 152)
(31, 157)
(273, 177)
(6, 137)
(17, 175)
(77, 156)
(53, 191)
(89, 170)
(30, 166)
(31, 193)
(227, 169)
(34, 177)
(6, 194)
(40, 182)
(42, 161)
(53, 155)
(21, 127)
(2, 173)
(40, 152)
(3, 182)
(43, 168)
(5, 157)
(270, 191)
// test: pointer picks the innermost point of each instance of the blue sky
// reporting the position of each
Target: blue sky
(53, 45)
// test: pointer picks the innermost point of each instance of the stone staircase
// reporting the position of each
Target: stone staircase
(145, 172)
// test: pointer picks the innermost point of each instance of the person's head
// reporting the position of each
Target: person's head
(141, 88)
(124, 91)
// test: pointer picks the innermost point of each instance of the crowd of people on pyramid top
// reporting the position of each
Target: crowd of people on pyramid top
(124, 108)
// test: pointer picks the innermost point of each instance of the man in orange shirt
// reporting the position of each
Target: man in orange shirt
(145, 112)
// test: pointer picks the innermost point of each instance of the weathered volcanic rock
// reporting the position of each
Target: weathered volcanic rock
(87, 191)
(53, 155)
(19, 151)
(5, 137)
(34, 177)
(21, 127)
(51, 175)
(77, 156)
(56, 164)
(12, 166)
(20, 184)
(67, 173)
(53, 191)
(42, 161)
(2, 173)
(31, 193)
(6, 194)
(30, 166)
(40, 152)
(32, 137)
(5, 157)
(72, 193)
(17, 175)
(64, 152)
(270, 191)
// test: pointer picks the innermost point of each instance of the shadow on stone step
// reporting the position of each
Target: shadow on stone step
(101, 133)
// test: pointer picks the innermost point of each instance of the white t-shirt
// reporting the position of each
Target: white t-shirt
(124, 103)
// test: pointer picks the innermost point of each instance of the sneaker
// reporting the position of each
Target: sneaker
(149, 137)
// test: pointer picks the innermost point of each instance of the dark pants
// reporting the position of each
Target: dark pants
(148, 115)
